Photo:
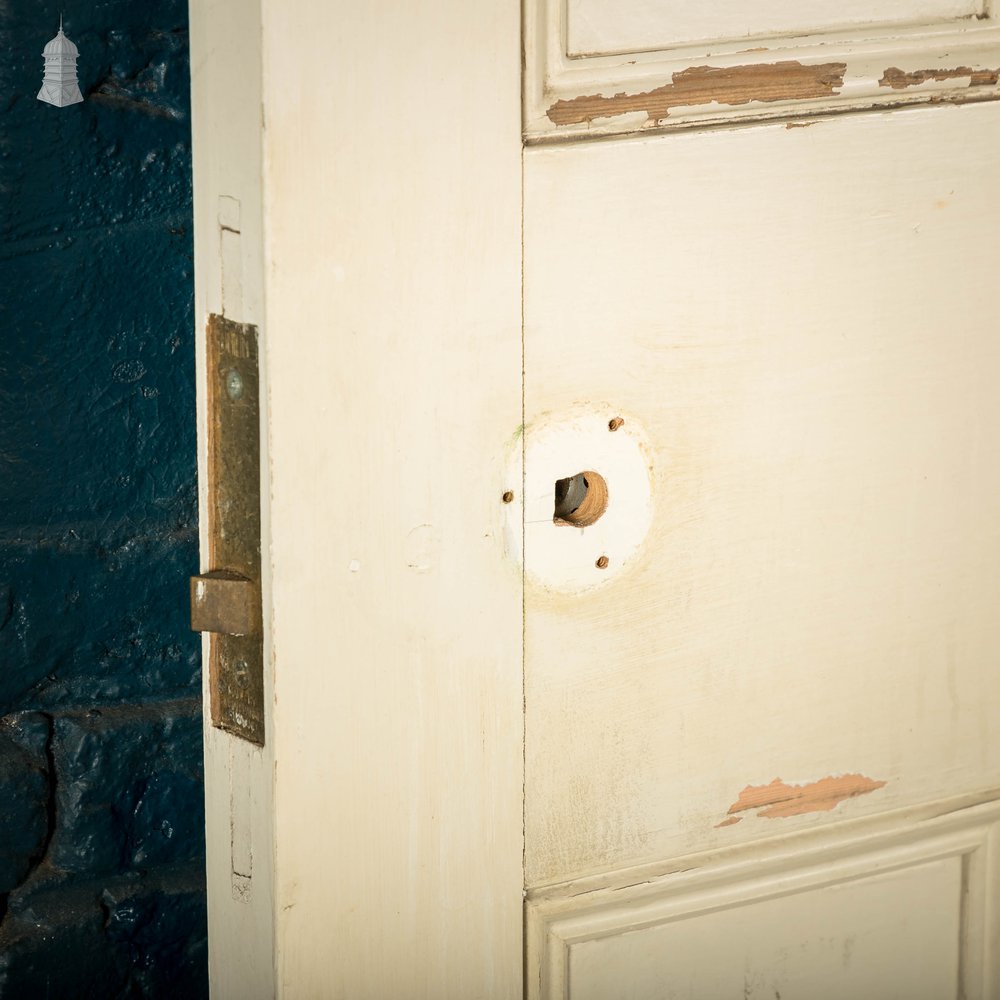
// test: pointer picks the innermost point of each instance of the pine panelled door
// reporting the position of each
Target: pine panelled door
(630, 473)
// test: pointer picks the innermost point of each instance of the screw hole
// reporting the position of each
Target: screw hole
(234, 384)
(508, 496)
(602, 563)
(615, 423)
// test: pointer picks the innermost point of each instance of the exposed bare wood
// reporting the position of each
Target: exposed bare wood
(899, 79)
(597, 67)
(781, 799)
(733, 85)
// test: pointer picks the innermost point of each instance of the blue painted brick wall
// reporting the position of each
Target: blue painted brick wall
(101, 816)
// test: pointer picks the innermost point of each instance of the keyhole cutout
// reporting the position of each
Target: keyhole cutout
(580, 500)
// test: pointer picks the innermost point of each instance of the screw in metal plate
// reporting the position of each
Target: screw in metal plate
(234, 384)
(602, 563)
(615, 423)
(241, 673)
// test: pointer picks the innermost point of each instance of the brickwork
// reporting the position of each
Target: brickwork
(101, 817)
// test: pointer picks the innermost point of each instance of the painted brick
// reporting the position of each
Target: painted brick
(101, 814)
(131, 937)
(121, 156)
(97, 621)
(96, 383)
(24, 796)
(128, 788)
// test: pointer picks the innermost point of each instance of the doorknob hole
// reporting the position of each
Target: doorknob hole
(580, 500)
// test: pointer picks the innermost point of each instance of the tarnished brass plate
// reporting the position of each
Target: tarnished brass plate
(236, 662)
(226, 603)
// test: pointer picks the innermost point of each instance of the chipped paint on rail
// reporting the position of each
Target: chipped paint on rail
(899, 79)
(781, 81)
(779, 799)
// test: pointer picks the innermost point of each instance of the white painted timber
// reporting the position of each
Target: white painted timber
(896, 907)
(229, 278)
(803, 323)
(392, 204)
(604, 67)
(564, 557)
(799, 651)
(601, 27)
(373, 847)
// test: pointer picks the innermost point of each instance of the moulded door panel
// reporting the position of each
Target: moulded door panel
(796, 328)
(601, 26)
(758, 752)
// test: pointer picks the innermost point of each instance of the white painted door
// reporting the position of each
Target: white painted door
(761, 690)
(745, 743)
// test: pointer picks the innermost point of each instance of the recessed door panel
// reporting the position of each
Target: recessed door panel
(607, 26)
(799, 325)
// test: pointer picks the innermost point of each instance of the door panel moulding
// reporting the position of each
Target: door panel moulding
(570, 95)
(565, 918)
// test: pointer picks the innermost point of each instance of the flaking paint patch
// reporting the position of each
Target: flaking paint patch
(899, 79)
(779, 799)
(789, 80)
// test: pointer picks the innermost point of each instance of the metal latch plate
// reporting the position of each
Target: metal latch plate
(226, 601)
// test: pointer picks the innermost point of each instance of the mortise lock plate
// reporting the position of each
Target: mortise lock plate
(226, 599)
